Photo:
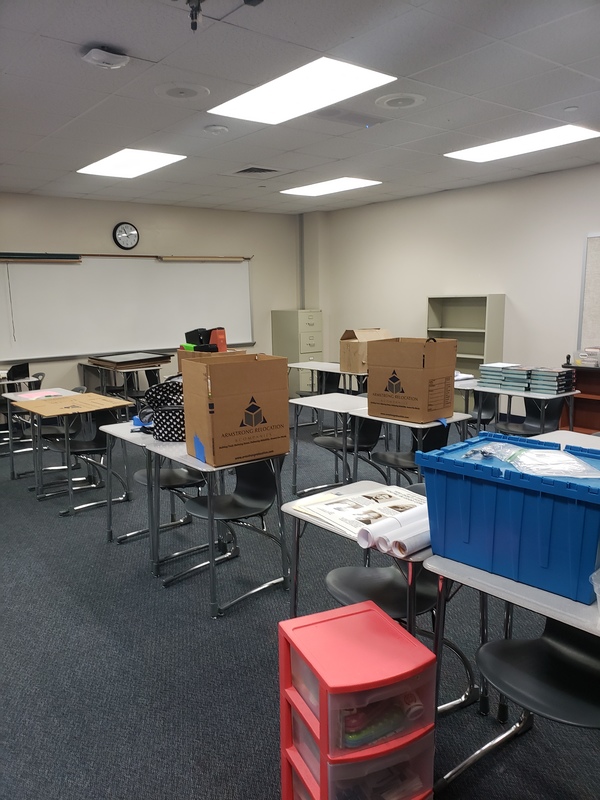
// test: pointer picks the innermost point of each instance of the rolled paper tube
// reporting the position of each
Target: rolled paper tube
(367, 536)
(411, 539)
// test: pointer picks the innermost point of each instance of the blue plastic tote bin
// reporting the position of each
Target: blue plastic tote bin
(540, 531)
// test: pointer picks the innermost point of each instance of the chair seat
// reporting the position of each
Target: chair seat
(400, 460)
(547, 676)
(173, 478)
(519, 429)
(336, 444)
(228, 507)
(385, 586)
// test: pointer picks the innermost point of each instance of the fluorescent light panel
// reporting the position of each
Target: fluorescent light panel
(316, 85)
(530, 143)
(130, 163)
(330, 187)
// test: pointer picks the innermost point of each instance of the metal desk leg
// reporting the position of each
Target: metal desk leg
(210, 519)
(153, 482)
(438, 636)
(109, 531)
(484, 698)
(11, 443)
(297, 410)
(71, 509)
(570, 401)
(411, 598)
(508, 625)
(294, 568)
(285, 560)
(542, 416)
(419, 447)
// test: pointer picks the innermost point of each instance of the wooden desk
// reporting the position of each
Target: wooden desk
(66, 405)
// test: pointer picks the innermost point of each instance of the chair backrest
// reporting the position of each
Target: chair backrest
(552, 413)
(37, 383)
(329, 382)
(367, 430)
(256, 483)
(79, 389)
(18, 372)
(487, 402)
(433, 439)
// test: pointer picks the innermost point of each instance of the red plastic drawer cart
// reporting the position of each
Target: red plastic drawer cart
(357, 708)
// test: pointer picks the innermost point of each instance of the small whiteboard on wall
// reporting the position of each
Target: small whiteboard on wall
(111, 305)
(589, 327)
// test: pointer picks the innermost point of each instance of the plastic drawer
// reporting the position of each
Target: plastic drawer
(306, 745)
(299, 789)
(405, 774)
(305, 682)
(361, 719)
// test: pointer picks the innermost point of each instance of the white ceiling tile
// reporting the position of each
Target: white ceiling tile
(565, 41)
(12, 45)
(576, 110)
(388, 134)
(496, 64)
(459, 113)
(541, 90)
(503, 19)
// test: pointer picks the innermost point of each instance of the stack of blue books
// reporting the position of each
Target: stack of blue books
(492, 374)
(552, 380)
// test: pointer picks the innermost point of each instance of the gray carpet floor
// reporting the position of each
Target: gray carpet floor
(113, 687)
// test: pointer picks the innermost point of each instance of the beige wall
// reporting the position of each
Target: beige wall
(524, 238)
(38, 224)
(369, 266)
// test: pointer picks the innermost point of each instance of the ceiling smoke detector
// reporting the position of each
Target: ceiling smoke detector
(105, 59)
(396, 101)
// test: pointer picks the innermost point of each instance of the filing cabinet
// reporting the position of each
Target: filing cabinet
(297, 334)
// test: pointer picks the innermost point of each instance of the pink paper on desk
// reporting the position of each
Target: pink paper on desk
(36, 394)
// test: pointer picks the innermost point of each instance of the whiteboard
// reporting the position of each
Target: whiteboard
(589, 328)
(111, 305)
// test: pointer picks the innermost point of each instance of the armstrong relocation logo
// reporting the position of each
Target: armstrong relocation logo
(393, 384)
(253, 415)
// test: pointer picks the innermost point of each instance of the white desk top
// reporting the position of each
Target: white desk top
(39, 394)
(563, 438)
(294, 509)
(177, 451)
(335, 401)
(127, 432)
(474, 385)
(579, 615)
(457, 417)
(322, 366)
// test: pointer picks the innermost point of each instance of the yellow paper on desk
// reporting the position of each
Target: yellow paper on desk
(236, 408)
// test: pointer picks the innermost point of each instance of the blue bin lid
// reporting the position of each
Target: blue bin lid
(451, 459)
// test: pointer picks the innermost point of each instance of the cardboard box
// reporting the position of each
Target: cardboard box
(236, 408)
(199, 356)
(412, 379)
(353, 348)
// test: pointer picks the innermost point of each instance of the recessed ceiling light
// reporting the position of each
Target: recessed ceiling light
(130, 163)
(530, 143)
(316, 85)
(181, 91)
(330, 187)
(216, 130)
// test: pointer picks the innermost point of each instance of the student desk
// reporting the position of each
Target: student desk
(176, 451)
(579, 615)
(330, 366)
(418, 427)
(10, 397)
(338, 403)
(301, 519)
(475, 386)
(67, 405)
(124, 364)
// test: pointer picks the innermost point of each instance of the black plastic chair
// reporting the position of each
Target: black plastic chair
(89, 445)
(487, 402)
(174, 481)
(556, 676)
(532, 424)
(255, 492)
(403, 462)
(368, 433)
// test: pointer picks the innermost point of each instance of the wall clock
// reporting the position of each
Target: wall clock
(125, 235)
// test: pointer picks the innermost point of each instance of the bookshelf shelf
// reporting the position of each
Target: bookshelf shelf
(586, 405)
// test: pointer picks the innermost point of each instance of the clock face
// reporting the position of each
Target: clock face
(126, 235)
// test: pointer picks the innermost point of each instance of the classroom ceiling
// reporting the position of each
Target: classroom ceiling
(468, 72)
